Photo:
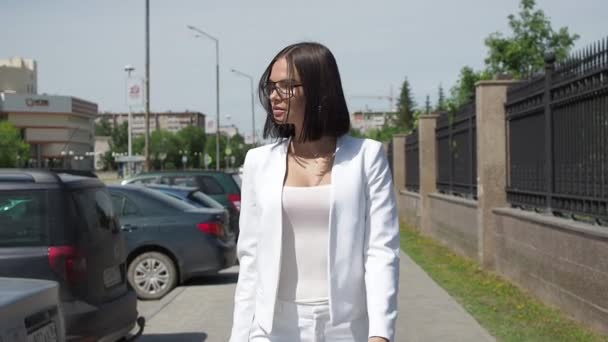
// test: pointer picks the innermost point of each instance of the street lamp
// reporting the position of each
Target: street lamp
(129, 69)
(240, 73)
(184, 155)
(217, 89)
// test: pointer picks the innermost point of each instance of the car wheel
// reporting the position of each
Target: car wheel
(152, 275)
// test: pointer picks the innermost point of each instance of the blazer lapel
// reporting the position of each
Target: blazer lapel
(275, 180)
(337, 177)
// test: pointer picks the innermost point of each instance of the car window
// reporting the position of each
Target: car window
(96, 208)
(118, 202)
(184, 181)
(130, 208)
(165, 180)
(124, 206)
(210, 186)
(204, 200)
(144, 180)
(23, 218)
(237, 179)
(172, 195)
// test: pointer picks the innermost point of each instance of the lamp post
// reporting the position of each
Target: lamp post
(184, 155)
(147, 87)
(240, 73)
(217, 89)
(129, 69)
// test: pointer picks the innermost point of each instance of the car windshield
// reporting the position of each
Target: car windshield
(23, 218)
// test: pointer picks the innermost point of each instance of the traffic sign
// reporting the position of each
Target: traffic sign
(207, 160)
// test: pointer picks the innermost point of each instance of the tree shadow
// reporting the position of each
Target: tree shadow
(175, 337)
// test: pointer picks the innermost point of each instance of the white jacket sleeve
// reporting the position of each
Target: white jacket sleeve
(244, 298)
(381, 245)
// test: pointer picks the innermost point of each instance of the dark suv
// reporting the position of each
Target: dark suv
(61, 226)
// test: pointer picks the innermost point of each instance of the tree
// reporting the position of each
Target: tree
(356, 133)
(405, 108)
(522, 54)
(119, 138)
(12, 146)
(441, 103)
(427, 105)
(103, 127)
(237, 145)
(464, 89)
(384, 134)
(192, 139)
(163, 143)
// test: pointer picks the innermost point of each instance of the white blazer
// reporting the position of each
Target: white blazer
(363, 248)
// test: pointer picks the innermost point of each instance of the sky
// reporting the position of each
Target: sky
(81, 47)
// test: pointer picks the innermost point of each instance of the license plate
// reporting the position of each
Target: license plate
(111, 276)
(47, 333)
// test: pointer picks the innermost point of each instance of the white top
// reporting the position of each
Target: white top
(303, 277)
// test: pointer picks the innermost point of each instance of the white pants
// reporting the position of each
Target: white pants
(308, 323)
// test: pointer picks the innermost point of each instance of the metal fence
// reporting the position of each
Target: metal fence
(412, 162)
(457, 152)
(558, 137)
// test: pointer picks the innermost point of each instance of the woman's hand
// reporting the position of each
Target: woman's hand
(377, 339)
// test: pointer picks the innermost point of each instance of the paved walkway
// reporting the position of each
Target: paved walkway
(428, 313)
(202, 311)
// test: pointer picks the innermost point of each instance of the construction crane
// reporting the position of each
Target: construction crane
(391, 99)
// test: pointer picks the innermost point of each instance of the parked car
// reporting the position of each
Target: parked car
(220, 185)
(170, 241)
(197, 198)
(237, 176)
(61, 226)
(29, 311)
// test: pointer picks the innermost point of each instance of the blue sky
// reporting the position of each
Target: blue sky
(82, 46)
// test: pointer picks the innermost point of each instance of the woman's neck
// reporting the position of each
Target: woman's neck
(323, 147)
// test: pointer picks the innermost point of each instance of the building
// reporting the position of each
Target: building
(59, 129)
(229, 130)
(367, 121)
(18, 76)
(170, 121)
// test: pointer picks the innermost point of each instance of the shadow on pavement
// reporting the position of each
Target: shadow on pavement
(223, 278)
(176, 337)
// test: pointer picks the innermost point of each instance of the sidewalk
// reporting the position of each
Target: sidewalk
(427, 313)
(202, 311)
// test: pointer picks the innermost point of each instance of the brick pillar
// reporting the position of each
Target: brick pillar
(428, 167)
(491, 163)
(399, 162)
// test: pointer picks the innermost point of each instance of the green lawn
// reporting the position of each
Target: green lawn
(504, 310)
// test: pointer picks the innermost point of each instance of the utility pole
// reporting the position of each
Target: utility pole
(147, 135)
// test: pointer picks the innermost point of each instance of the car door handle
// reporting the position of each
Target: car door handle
(128, 227)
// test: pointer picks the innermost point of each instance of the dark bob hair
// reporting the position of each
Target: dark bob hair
(325, 113)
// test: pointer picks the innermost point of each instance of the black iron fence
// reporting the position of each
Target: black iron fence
(558, 137)
(457, 152)
(412, 162)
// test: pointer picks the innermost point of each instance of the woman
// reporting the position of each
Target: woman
(319, 241)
